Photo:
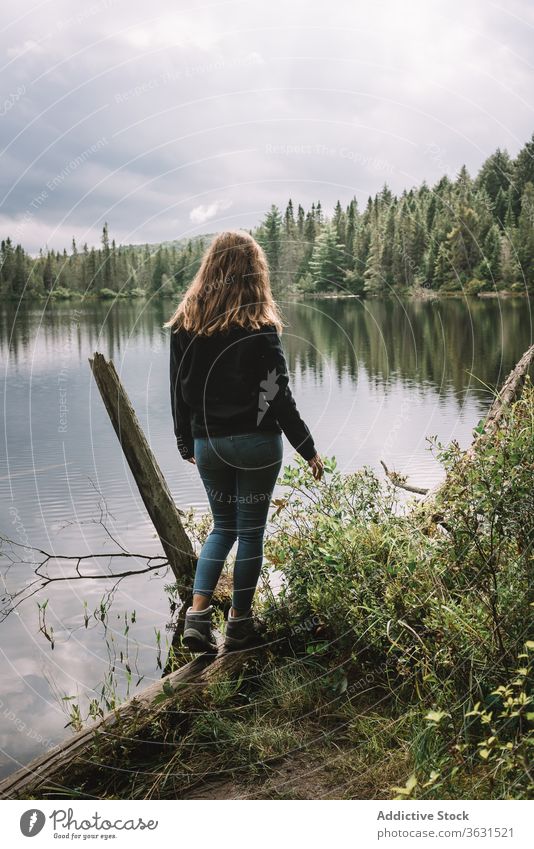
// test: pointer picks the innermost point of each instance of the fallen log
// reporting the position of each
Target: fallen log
(147, 473)
(127, 719)
(508, 393)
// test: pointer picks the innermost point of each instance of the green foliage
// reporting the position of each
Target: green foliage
(60, 293)
(107, 294)
(442, 609)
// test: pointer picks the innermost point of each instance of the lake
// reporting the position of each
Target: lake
(372, 379)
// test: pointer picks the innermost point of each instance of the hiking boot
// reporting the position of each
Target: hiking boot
(242, 631)
(198, 634)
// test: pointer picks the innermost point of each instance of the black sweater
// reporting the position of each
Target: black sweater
(233, 382)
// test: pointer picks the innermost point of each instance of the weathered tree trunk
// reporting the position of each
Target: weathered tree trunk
(147, 473)
(135, 713)
(509, 392)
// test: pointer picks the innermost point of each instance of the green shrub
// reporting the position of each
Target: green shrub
(441, 609)
(61, 293)
(473, 287)
(108, 294)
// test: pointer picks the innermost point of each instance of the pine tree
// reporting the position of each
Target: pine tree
(289, 220)
(496, 174)
(18, 282)
(160, 270)
(340, 223)
(7, 259)
(442, 270)
(106, 264)
(350, 233)
(48, 274)
(373, 277)
(300, 221)
(523, 173)
(525, 236)
(326, 264)
(386, 264)
(270, 238)
(491, 264)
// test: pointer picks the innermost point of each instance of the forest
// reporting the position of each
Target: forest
(468, 234)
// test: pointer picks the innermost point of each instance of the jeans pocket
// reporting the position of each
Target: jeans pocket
(263, 450)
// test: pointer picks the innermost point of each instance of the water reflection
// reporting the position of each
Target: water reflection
(373, 380)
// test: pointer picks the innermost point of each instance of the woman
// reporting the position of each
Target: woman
(230, 402)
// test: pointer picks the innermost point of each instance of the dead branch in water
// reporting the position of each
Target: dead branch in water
(400, 481)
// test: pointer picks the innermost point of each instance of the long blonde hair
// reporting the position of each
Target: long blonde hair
(231, 287)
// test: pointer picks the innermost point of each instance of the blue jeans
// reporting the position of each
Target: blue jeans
(239, 473)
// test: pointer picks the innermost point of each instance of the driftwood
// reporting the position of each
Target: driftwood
(400, 481)
(136, 713)
(508, 393)
(147, 473)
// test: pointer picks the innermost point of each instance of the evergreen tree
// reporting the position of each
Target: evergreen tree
(350, 232)
(48, 273)
(300, 221)
(105, 263)
(289, 220)
(19, 272)
(160, 270)
(524, 237)
(373, 277)
(496, 174)
(326, 264)
(340, 223)
(270, 238)
(7, 260)
(491, 265)
(523, 173)
(386, 262)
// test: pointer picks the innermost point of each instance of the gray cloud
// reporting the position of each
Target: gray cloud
(169, 119)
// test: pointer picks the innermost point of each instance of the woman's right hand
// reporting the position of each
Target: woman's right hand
(317, 467)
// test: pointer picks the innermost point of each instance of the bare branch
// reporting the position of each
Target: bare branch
(400, 481)
(42, 559)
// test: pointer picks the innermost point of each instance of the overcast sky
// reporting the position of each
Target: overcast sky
(170, 118)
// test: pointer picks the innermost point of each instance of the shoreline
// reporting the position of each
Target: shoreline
(413, 295)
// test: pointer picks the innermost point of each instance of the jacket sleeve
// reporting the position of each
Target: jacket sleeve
(181, 413)
(275, 394)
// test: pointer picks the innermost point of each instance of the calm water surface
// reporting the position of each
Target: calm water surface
(372, 379)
